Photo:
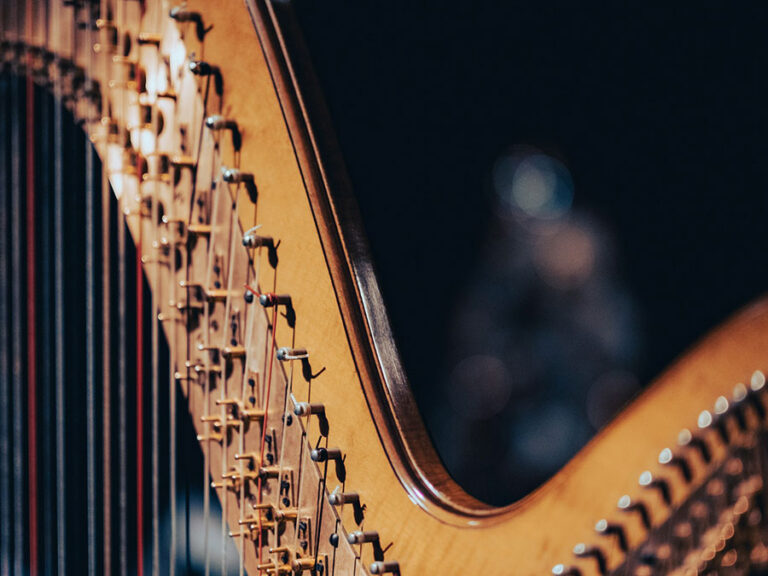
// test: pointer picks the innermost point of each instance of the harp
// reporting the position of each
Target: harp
(187, 299)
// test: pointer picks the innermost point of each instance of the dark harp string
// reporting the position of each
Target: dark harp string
(122, 350)
(31, 240)
(48, 489)
(16, 308)
(106, 290)
(90, 308)
(5, 341)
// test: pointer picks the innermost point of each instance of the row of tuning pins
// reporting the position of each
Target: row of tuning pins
(253, 239)
(743, 414)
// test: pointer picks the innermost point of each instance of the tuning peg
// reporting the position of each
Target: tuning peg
(668, 458)
(218, 122)
(325, 454)
(353, 498)
(605, 528)
(369, 536)
(182, 15)
(583, 551)
(235, 176)
(563, 570)
(200, 68)
(648, 481)
(286, 354)
(385, 568)
(720, 421)
(686, 438)
(626, 504)
(307, 409)
(756, 386)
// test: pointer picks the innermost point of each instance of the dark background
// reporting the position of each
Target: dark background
(658, 112)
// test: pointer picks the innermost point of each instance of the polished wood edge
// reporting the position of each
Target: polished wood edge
(369, 333)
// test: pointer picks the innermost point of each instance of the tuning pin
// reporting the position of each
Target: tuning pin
(325, 454)
(626, 504)
(648, 481)
(719, 421)
(668, 458)
(235, 176)
(686, 438)
(307, 409)
(353, 498)
(286, 354)
(182, 15)
(385, 568)
(253, 240)
(756, 386)
(369, 536)
(583, 551)
(605, 528)
(738, 406)
(200, 68)
(706, 420)
(218, 122)
(563, 570)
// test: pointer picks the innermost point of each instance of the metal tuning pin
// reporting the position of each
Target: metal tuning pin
(183, 16)
(720, 420)
(756, 386)
(148, 39)
(669, 458)
(583, 551)
(286, 354)
(200, 68)
(307, 409)
(385, 568)
(181, 162)
(368, 536)
(269, 300)
(235, 176)
(266, 472)
(218, 122)
(232, 352)
(687, 438)
(739, 406)
(648, 481)
(626, 504)
(605, 528)
(563, 570)
(253, 240)
(334, 454)
(301, 564)
(353, 498)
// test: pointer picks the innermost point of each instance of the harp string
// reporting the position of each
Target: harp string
(122, 328)
(31, 241)
(5, 341)
(106, 292)
(90, 309)
(17, 464)
(153, 258)
(47, 447)
(58, 264)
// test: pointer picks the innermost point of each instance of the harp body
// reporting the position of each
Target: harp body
(251, 374)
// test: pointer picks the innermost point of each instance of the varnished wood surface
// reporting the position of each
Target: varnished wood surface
(529, 536)
(361, 396)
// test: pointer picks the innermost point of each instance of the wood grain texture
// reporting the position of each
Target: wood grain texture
(433, 527)
(529, 536)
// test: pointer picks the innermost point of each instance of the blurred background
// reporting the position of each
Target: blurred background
(559, 200)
